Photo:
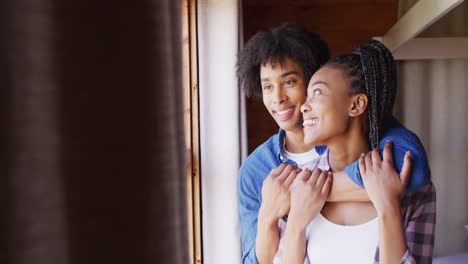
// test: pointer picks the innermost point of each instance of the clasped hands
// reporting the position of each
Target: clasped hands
(301, 194)
(298, 193)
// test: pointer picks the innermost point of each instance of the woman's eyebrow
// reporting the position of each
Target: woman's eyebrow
(319, 82)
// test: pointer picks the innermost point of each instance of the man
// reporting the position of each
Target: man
(276, 67)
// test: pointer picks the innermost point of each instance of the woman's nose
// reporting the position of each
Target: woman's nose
(305, 107)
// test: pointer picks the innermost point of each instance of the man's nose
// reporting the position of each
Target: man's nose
(278, 95)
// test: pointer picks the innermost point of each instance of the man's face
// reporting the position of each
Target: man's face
(284, 91)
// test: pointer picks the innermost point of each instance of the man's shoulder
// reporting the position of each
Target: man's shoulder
(264, 157)
(397, 133)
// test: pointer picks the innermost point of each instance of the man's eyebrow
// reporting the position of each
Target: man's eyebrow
(282, 75)
(289, 73)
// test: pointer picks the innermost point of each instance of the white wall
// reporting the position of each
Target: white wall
(218, 30)
(433, 99)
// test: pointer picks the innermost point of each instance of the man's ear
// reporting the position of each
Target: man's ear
(358, 105)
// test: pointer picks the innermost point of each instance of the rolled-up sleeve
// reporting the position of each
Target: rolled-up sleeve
(419, 211)
(248, 206)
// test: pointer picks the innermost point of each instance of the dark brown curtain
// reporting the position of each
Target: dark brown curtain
(92, 150)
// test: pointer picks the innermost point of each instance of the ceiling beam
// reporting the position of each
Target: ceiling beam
(423, 14)
(433, 48)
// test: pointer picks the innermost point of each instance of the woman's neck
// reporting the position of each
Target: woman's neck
(294, 141)
(346, 149)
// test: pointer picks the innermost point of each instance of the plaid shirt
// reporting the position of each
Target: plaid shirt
(419, 215)
(418, 210)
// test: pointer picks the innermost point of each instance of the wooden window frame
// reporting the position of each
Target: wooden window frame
(192, 128)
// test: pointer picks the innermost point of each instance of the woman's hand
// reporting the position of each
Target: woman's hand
(382, 182)
(275, 192)
(275, 204)
(308, 195)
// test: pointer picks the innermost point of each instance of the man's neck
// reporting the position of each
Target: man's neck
(294, 141)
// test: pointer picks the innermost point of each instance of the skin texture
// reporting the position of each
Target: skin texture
(386, 188)
(338, 119)
(308, 195)
(284, 92)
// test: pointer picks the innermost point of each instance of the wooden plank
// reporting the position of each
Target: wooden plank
(187, 124)
(423, 14)
(191, 125)
(433, 48)
(194, 94)
(310, 2)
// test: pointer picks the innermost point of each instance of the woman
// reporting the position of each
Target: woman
(349, 104)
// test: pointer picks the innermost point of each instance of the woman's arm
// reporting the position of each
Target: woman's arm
(403, 141)
(259, 217)
(275, 204)
(308, 195)
(385, 188)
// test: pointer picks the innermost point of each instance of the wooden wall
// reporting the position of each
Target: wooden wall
(344, 24)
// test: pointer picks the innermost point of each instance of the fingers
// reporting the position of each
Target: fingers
(290, 179)
(304, 174)
(321, 179)
(376, 160)
(406, 170)
(327, 185)
(277, 171)
(362, 164)
(387, 152)
(368, 161)
(287, 170)
(314, 177)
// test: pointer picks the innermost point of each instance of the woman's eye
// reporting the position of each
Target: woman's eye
(317, 92)
(266, 87)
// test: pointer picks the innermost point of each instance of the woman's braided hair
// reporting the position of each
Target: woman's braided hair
(372, 71)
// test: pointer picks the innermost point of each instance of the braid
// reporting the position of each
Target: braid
(372, 70)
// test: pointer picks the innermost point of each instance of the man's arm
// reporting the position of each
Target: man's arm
(403, 140)
(248, 207)
(420, 175)
(259, 220)
(345, 190)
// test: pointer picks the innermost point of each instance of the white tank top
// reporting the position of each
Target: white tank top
(329, 243)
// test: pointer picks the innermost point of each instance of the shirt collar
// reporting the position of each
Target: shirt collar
(278, 146)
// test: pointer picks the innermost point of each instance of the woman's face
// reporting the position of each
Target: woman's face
(326, 112)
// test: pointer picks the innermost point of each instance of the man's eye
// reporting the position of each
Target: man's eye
(289, 82)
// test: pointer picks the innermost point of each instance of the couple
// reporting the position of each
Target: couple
(291, 215)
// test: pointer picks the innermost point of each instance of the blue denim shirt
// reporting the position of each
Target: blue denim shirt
(268, 156)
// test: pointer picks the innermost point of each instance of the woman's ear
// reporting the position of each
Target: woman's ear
(358, 105)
